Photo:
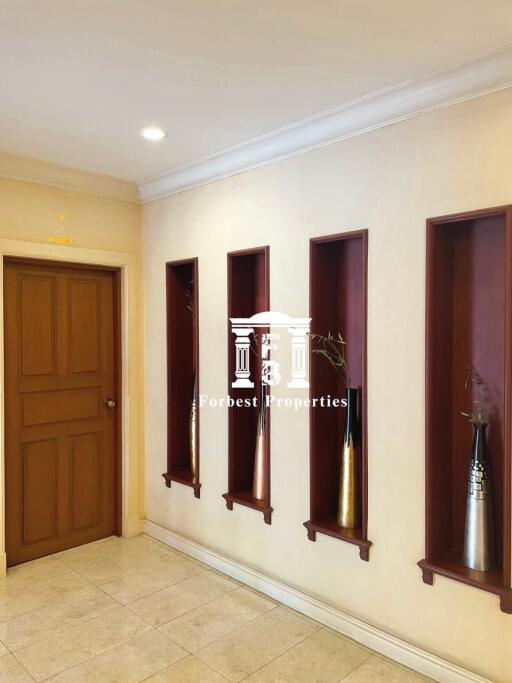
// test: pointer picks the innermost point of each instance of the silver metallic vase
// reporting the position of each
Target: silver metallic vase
(259, 486)
(479, 550)
(192, 426)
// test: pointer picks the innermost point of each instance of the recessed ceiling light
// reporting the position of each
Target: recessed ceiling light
(153, 133)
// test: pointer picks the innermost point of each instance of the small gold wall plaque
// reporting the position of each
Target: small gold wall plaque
(60, 239)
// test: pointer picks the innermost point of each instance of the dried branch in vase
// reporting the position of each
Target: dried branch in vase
(332, 347)
(189, 298)
(479, 415)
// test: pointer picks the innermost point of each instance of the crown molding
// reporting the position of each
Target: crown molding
(29, 170)
(484, 74)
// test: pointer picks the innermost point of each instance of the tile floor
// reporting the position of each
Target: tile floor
(130, 610)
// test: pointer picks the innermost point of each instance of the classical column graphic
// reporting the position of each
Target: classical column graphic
(270, 371)
(298, 380)
(242, 358)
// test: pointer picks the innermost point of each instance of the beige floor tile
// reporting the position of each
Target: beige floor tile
(61, 617)
(44, 568)
(59, 652)
(203, 625)
(33, 575)
(138, 585)
(130, 662)
(114, 545)
(54, 618)
(24, 593)
(172, 602)
(380, 670)
(156, 552)
(11, 671)
(189, 670)
(112, 566)
(88, 550)
(250, 647)
(324, 657)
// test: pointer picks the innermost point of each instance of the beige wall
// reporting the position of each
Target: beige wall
(104, 231)
(28, 211)
(389, 181)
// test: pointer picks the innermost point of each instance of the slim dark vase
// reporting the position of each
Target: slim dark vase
(259, 486)
(479, 551)
(349, 497)
(192, 426)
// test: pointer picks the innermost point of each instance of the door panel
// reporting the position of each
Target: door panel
(84, 298)
(45, 407)
(39, 466)
(60, 367)
(37, 299)
(85, 481)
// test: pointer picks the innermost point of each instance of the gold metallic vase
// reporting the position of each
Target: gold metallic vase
(259, 486)
(349, 496)
(192, 426)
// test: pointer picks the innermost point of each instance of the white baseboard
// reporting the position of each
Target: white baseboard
(373, 638)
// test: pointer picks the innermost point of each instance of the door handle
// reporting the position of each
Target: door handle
(110, 403)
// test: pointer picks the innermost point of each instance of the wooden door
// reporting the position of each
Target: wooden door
(61, 463)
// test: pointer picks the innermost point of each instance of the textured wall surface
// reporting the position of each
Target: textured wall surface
(389, 181)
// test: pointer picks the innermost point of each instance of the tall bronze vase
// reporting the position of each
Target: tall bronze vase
(479, 550)
(349, 496)
(259, 486)
(192, 430)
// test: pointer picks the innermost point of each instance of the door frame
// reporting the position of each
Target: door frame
(125, 271)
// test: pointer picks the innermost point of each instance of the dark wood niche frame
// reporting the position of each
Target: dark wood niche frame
(248, 293)
(338, 303)
(468, 320)
(182, 358)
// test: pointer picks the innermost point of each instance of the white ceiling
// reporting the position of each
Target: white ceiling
(79, 78)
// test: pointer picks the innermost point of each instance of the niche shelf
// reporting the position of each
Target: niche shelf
(468, 320)
(182, 370)
(337, 300)
(248, 293)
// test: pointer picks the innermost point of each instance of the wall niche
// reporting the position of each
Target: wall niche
(183, 374)
(468, 321)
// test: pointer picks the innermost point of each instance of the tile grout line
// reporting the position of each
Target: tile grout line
(155, 673)
(118, 605)
(135, 571)
(370, 656)
(320, 627)
(282, 654)
(97, 654)
(72, 628)
(190, 654)
(23, 667)
(233, 630)
(68, 668)
(91, 585)
(125, 604)
(151, 628)
(157, 626)
(47, 604)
